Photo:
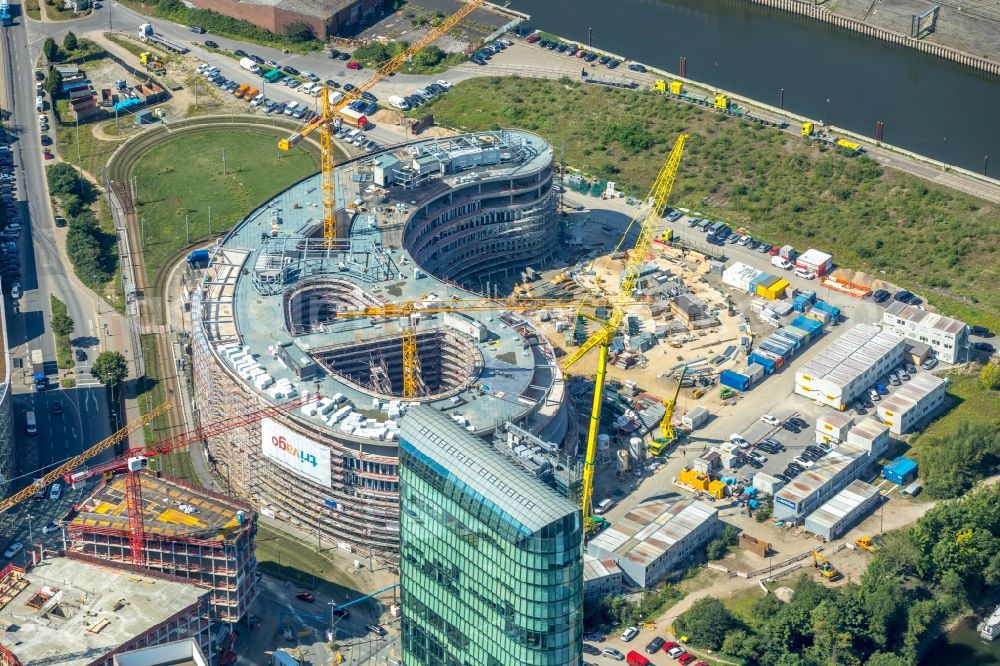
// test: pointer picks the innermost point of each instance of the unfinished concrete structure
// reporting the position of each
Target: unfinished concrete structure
(428, 222)
(74, 612)
(191, 534)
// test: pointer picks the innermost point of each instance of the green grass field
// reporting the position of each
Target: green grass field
(182, 177)
(937, 241)
(287, 558)
(971, 404)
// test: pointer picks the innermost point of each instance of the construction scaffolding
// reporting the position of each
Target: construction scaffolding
(192, 534)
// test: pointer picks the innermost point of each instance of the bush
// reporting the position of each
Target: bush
(299, 31)
(373, 55)
(990, 376)
(717, 548)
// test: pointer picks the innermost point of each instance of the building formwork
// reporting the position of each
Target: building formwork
(191, 534)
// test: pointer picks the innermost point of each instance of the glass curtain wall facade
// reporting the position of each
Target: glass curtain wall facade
(491, 570)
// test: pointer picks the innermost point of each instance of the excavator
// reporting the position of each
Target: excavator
(826, 570)
(865, 543)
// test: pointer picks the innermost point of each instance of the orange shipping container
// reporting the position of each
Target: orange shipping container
(239, 92)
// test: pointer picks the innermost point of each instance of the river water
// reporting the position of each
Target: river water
(963, 647)
(929, 105)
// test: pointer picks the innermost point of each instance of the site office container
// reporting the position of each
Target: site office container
(634, 658)
(755, 371)
(354, 118)
(826, 307)
(765, 362)
(734, 380)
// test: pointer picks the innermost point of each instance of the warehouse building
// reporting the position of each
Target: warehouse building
(656, 538)
(913, 403)
(946, 336)
(871, 436)
(74, 612)
(843, 510)
(849, 366)
(807, 491)
(191, 533)
(327, 18)
(601, 578)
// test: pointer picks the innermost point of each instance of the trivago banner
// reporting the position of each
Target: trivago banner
(295, 452)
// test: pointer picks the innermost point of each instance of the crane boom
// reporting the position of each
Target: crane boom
(657, 204)
(76, 461)
(330, 109)
(667, 424)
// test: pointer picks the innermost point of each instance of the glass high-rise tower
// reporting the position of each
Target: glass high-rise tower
(491, 567)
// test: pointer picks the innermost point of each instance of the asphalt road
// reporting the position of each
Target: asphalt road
(44, 271)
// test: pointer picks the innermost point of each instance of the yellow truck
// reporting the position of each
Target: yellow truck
(242, 90)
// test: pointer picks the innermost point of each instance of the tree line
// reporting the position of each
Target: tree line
(90, 249)
(917, 580)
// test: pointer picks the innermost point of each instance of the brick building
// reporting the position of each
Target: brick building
(327, 17)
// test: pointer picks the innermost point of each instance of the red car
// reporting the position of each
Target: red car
(306, 596)
(354, 64)
(701, 663)
(685, 659)
(774, 251)
(670, 645)
(532, 38)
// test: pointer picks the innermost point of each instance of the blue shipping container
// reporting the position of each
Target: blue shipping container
(832, 309)
(768, 364)
(900, 471)
(734, 380)
(798, 333)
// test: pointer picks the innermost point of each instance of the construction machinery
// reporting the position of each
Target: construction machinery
(865, 543)
(408, 310)
(826, 570)
(327, 119)
(602, 339)
(667, 433)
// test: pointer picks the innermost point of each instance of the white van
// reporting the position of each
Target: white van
(399, 103)
(290, 109)
(782, 263)
(31, 426)
(603, 506)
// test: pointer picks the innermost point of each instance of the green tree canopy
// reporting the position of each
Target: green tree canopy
(62, 324)
(706, 623)
(69, 41)
(50, 49)
(110, 368)
(990, 376)
(53, 83)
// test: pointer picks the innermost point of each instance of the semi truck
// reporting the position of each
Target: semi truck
(250, 65)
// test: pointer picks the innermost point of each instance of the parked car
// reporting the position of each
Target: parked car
(675, 651)
(532, 38)
(804, 274)
(881, 296)
(981, 331)
(894, 379)
(13, 549)
(739, 441)
(799, 422)
(613, 653)
(629, 633)
(340, 612)
(770, 420)
(686, 659)
(636, 67)
(56, 492)
(354, 64)
(983, 347)
(873, 395)
(50, 528)
(791, 427)
(590, 649)
(344, 56)
(376, 629)
(929, 364)
(197, 29)
(904, 296)
(210, 44)
(288, 69)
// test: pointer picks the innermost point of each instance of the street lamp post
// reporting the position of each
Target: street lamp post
(31, 535)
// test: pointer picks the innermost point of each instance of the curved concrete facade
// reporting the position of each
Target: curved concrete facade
(266, 329)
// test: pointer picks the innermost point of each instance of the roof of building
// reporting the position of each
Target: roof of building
(169, 508)
(462, 457)
(323, 9)
(70, 614)
(842, 504)
(922, 318)
(185, 652)
(850, 355)
(909, 395)
(814, 257)
(648, 531)
(509, 377)
(868, 430)
(596, 569)
(814, 478)
(835, 419)
(689, 304)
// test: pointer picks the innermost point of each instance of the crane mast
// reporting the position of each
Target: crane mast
(657, 204)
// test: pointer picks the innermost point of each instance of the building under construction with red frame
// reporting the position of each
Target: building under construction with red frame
(190, 533)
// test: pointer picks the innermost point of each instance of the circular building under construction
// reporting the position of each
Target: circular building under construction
(274, 318)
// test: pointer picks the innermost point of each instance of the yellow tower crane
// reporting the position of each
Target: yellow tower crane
(405, 310)
(325, 120)
(657, 204)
